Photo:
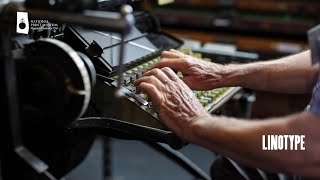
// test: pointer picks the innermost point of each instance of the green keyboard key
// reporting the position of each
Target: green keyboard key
(203, 101)
(213, 96)
(207, 59)
(209, 99)
(197, 55)
(144, 96)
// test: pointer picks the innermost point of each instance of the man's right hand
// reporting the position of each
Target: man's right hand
(197, 74)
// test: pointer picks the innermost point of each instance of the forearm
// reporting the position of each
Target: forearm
(241, 140)
(293, 74)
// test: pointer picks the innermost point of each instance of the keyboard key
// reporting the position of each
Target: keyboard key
(134, 77)
(144, 96)
(139, 74)
(131, 88)
(197, 55)
(213, 96)
(203, 101)
(209, 99)
(126, 80)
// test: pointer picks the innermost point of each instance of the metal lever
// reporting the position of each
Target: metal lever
(125, 11)
(131, 94)
(124, 130)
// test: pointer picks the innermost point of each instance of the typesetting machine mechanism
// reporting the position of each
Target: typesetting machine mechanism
(143, 50)
(91, 63)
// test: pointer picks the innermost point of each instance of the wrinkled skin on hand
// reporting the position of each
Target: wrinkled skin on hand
(176, 105)
(198, 74)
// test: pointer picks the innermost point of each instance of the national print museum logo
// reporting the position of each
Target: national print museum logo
(24, 25)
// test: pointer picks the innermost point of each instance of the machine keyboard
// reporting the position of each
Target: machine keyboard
(211, 100)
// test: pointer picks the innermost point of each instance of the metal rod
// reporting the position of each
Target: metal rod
(118, 92)
(11, 87)
(125, 10)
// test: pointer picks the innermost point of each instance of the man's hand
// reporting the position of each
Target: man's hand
(198, 74)
(176, 105)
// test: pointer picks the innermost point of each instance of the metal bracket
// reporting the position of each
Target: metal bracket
(115, 128)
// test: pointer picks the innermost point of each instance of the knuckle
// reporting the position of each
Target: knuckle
(166, 69)
(164, 53)
(153, 88)
(142, 85)
(188, 62)
(152, 78)
(155, 71)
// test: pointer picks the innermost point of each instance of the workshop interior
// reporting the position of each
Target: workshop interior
(70, 110)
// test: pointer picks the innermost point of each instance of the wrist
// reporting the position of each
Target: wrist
(231, 76)
(198, 128)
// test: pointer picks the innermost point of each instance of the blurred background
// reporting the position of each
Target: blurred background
(270, 28)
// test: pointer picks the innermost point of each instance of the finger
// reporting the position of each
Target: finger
(176, 64)
(152, 92)
(150, 80)
(177, 52)
(169, 54)
(158, 74)
(170, 73)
